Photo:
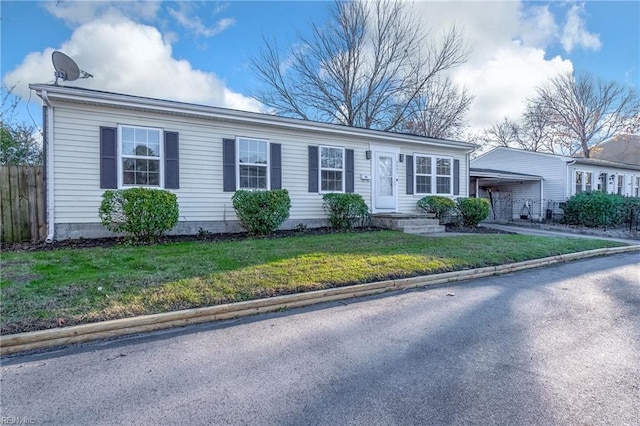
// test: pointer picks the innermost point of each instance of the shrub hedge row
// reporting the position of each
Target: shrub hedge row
(598, 209)
(146, 214)
(463, 211)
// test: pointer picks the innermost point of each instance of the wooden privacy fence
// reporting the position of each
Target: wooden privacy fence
(22, 208)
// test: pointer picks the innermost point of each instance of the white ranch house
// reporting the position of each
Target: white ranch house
(97, 140)
(533, 184)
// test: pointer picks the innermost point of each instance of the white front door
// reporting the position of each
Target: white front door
(385, 185)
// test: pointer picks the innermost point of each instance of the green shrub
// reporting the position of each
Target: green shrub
(473, 210)
(345, 211)
(442, 207)
(597, 209)
(146, 214)
(261, 212)
(628, 204)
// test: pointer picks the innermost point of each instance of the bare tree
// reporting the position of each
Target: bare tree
(364, 67)
(583, 111)
(505, 133)
(438, 111)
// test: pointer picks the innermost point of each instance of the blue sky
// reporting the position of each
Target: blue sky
(200, 51)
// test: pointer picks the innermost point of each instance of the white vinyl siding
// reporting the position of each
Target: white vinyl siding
(201, 197)
(558, 185)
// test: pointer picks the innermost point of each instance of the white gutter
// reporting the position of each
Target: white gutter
(49, 160)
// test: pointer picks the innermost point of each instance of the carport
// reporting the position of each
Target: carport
(512, 195)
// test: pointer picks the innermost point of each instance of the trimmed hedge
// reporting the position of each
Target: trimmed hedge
(261, 212)
(473, 210)
(444, 208)
(144, 213)
(598, 209)
(345, 211)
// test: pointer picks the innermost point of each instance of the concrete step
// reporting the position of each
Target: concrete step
(423, 229)
(401, 222)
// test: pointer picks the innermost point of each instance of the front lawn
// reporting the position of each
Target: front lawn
(70, 286)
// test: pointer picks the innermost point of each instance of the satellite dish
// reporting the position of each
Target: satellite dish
(66, 68)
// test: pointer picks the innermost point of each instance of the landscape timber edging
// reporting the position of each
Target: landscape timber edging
(21, 342)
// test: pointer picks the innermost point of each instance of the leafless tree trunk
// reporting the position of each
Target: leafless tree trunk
(363, 68)
(439, 111)
(584, 112)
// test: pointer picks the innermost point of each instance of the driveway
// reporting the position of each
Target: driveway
(557, 345)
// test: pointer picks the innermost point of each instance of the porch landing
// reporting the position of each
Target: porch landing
(410, 223)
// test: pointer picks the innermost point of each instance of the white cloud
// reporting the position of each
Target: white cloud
(127, 57)
(75, 13)
(503, 83)
(538, 26)
(575, 34)
(507, 61)
(185, 16)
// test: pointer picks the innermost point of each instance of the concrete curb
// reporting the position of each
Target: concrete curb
(20, 342)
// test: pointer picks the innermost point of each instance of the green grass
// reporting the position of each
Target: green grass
(70, 286)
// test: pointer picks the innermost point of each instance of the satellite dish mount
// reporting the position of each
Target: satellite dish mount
(66, 68)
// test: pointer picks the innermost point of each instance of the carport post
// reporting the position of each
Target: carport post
(542, 199)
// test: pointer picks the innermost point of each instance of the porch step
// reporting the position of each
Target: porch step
(409, 223)
(429, 229)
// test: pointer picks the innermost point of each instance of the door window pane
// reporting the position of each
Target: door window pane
(385, 176)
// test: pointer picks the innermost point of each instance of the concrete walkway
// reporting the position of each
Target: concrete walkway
(553, 233)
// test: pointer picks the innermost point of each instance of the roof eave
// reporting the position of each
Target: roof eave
(210, 112)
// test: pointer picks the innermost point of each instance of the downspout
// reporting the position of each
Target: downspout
(49, 167)
(567, 190)
(468, 174)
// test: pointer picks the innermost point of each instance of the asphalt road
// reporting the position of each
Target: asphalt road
(550, 346)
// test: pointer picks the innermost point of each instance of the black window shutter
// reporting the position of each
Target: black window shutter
(313, 169)
(171, 161)
(108, 158)
(349, 171)
(276, 166)
(228, 165)
(456, 177)
(409, 163)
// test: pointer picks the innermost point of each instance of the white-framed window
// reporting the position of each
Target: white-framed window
(578, 182)
(583, 181)
(588, 181)
(424, 174)
(636, 190)
(620, 185)
(332, 169)
(433, 174)
(141, 151)
(253, 163)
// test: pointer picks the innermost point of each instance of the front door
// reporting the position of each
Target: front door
(385, 185)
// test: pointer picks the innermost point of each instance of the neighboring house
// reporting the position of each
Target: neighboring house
(532, 184)
(97, 140)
